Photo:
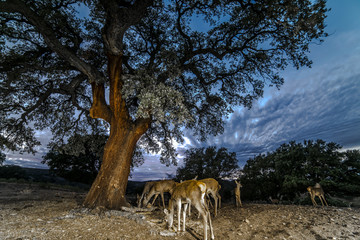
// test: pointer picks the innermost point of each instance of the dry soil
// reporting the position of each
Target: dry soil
(34, 212)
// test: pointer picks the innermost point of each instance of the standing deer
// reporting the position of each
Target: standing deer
(317, 191)
(189, 192)
(157, 188)
(212, 188)
(237, 194)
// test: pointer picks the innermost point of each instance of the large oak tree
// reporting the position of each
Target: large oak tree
(147, 68)
(207, 163)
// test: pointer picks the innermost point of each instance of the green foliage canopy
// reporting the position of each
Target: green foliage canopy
(79, 160)
(207, 163)
(175, 74)
(12, 172)
(291, 168)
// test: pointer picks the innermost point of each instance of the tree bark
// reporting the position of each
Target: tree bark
(109, 187)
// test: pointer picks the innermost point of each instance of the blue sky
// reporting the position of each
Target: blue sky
(322, 102)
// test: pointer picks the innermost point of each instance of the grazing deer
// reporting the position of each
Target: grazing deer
(212, 188)
(147, 188)
(317, 191)
(157, 188)
(237, 194)
(189, 192)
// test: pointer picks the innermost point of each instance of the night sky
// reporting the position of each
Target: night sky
(322, 102)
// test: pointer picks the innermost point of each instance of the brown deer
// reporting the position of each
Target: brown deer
(212, 188)
(317, 191)
(186, 193)
(159, 187)
(147, 188)
(237, 194)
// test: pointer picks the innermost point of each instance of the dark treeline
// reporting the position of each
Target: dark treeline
(287, 172)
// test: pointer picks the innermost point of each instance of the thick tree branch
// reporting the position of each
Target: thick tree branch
(120, 15)
(99, 108)
(16, 6)
(141, 126)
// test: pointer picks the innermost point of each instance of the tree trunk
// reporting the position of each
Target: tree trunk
(109, 187)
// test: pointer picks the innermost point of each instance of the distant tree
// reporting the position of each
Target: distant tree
(142, 68)
(2, 158)
(259, 177)
(80, 158)
(349, 179)
(292, 167)
(207, 163)
(13, 171)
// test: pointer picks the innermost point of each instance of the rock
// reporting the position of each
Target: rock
(167, 233)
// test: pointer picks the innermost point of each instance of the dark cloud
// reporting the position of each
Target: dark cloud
(319, 107)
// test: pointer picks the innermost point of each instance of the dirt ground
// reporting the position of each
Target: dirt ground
(33, 212)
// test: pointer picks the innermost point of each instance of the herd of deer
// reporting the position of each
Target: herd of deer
(194, 192)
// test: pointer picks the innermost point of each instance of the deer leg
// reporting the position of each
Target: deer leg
(184, 215)
(162, 198)
(314, 201)
(189, 210)
(147, 198)
(216, 204)
(210, 224)
(156, 195)
(201, 207)
(179, 213)
(324, 200)
(213, 195)
(139, 200)
(208, 200)
(219, 198)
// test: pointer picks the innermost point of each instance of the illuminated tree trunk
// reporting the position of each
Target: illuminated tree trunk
(109, 187)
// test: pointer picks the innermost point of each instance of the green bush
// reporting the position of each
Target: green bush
(12, 172)
(336, 202)
(290, 169)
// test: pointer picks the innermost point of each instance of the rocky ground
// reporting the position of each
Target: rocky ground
(38, 212)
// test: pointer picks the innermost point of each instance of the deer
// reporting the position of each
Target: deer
(159, 187)
(317, 191)
(212, 188)
(190, 192)
(147, 188)
(237, 194)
